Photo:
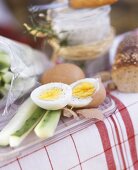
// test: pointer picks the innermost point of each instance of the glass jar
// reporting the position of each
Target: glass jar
(81, 26)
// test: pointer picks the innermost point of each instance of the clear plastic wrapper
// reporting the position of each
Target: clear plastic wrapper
(25, 64)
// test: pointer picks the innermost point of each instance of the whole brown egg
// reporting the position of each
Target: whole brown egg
(65, 73)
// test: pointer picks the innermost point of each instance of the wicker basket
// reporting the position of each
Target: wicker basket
(82, 52)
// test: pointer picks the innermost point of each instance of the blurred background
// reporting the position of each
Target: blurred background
(124, 17)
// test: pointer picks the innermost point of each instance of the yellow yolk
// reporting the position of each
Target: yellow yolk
(51, 94)
(83, 90)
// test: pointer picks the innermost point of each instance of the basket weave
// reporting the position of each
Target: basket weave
(82, 52)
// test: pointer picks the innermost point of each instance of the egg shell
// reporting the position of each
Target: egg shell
(98, 97)
(65, 73)
(80, 102)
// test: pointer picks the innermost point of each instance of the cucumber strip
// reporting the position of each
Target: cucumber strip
(48, 124)
(2, 82)
(4, 70)
(17, 137)
(3, 91)
(4, 60)
(3, 67)
(1, 95)
(23, 113)
(7, 77)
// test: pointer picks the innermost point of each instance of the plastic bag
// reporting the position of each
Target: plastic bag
(26, 64)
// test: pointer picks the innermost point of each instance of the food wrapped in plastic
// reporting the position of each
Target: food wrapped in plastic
(20, 66)
(82, 34)
(81, 26)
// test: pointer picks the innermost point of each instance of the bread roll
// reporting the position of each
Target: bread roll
(90, 3)
(125, 68)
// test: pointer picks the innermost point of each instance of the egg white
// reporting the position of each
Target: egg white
(56, 104)
(81, 102)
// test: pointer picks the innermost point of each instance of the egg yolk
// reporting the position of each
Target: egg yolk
(51, 94)
(83, 90)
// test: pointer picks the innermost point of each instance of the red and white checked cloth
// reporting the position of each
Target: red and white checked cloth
(108, 145)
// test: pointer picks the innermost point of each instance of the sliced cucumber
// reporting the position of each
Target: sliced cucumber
(23, 113)
(2, 83)
(3, 91)
(48, 124)
(4, 60)
(17, 137)
(7, 77)
(3, 67)
(1, 95)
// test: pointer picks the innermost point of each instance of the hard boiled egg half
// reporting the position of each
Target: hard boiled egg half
(52, 96)
(83, 91)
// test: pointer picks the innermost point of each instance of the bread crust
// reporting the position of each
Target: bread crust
(125, 68)
(126, 78)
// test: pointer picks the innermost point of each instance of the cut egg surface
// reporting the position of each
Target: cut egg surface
(83, 91)
(52, 96)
